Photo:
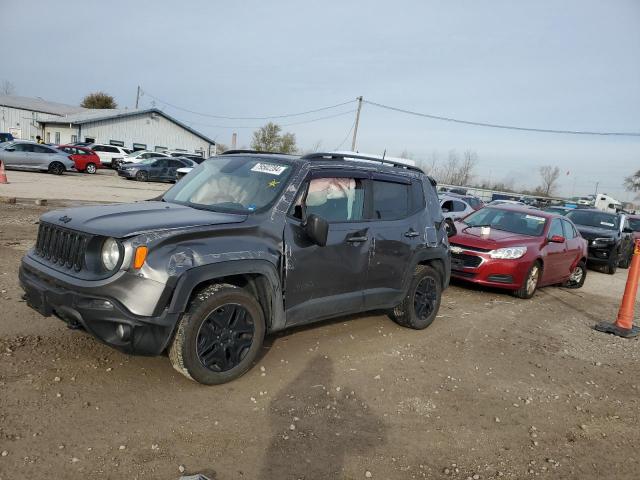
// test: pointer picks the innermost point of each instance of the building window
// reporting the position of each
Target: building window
(139, 146)
(160, 149)
(117, 143)
(48, 137)
(74, 138)
(57, 138)
(89, 139)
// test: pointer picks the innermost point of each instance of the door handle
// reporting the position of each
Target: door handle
(411, 233)
(356, 239)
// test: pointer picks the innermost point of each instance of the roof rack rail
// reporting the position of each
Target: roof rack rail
(231, 152)
(361, 156)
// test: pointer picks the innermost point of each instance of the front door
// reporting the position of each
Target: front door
(321, 282)
(556, 254)
(18, 156)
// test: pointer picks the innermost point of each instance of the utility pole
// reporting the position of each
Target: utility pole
(234, 140)
(355, 127)
(597, 184)
(137, 97)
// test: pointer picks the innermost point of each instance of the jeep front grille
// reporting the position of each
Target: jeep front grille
(60, 246)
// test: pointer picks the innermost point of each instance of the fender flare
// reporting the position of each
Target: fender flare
(435, 253)
(193, 277)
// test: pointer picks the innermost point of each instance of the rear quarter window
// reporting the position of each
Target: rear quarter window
(390, 200)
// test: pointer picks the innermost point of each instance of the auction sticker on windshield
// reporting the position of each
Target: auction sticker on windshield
(533, 217)
(270, 168)
(607, 224)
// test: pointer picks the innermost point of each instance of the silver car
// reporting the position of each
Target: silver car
(33, 156)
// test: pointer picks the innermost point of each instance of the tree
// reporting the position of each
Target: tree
(270, 139)
(549, 177)
(632, 182)
(99, 100)
(221, 147)
(7, 88)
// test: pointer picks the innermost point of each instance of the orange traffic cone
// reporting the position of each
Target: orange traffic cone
(3, 176)
(624, 323)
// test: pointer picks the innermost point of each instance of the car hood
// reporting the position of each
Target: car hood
(124, 220)
(594, 232)
(470, 237)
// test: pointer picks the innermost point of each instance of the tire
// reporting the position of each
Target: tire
(219, 336)
(56, 168)
(142, 176)
(612, 265)
(90, 168)
(578, 276)
(531, 281)
(422, 301)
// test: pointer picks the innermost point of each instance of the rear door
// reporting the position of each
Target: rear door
(321, 282)
(173, 166)
(159, 169)
(397, 219)
(41, 156)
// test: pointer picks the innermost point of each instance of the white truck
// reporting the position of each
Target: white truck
(607, 203)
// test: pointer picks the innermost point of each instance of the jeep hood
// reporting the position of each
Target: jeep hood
(594, 232)
(124, 220)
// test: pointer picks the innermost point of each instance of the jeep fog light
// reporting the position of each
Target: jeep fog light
(110, 254)
(123, 331)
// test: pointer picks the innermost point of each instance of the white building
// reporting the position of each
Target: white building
(150, 129)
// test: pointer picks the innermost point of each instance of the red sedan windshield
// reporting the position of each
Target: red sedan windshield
(522, 223)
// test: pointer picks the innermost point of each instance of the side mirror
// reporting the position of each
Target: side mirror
(317, 229)
(627, 230)
(557, 239)
(450, 227)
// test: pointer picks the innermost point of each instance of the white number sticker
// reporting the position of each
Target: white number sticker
(270, 168)
(607, 224)
(532, 217)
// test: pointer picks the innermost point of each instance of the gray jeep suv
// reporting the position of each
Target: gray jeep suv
(247, 244)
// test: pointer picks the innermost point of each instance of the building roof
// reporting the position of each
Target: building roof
(39, 105)
(93, 115)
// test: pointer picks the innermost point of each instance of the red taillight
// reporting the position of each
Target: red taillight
(71, 158)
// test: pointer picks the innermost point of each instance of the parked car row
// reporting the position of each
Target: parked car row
(162, 169)
(89, 157)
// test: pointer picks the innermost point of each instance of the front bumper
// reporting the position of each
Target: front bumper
(599, 255)
(480, 268)
(127, 173)
(98, 314)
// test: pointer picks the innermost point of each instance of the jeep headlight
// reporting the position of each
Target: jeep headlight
(110, 253)
(603, 240)
(509, 253)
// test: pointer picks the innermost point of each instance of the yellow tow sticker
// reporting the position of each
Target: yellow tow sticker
(273, 183)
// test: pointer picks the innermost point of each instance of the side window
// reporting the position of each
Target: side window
(335, 199)
(22, 147)
(111, 150)
(98, 148)
(176, 164)
(390, 200)
(41, 149)
(448, 206)
(161, 163)
(569, 230)
(556, 228)
(418, 197)
(459, 206)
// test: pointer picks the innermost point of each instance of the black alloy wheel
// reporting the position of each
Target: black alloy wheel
(142, 176)
(425, 298)
(225, 337)
(56, 168)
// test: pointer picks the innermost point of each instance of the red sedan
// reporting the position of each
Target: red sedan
(518, 249)
(86, 160)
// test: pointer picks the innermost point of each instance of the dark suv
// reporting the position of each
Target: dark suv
(247, 244)
(609, 237)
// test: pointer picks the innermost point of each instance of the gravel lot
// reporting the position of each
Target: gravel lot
(103, 186)
(495, 388)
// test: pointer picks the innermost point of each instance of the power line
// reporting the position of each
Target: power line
(266, 117)
(505, 127)
(347, 136)
(326, 117)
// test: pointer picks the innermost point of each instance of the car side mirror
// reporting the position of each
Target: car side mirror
(317, 229)
(557, 239)
(627, 230)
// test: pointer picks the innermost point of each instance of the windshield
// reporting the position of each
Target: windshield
(236, 184)
(510, 221)
(634, 224)
(589, 218)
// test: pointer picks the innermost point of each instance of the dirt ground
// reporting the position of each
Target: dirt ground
(496, 387)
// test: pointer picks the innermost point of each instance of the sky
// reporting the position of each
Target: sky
(569, 65)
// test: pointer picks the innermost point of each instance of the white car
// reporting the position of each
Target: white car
(455, 207)
(108, 153)
(140, 155)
